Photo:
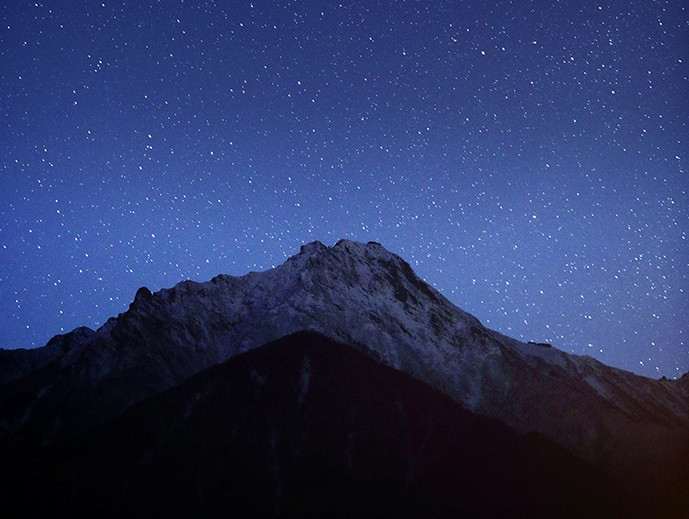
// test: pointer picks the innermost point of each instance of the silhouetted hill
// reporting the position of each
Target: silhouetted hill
(305, 426)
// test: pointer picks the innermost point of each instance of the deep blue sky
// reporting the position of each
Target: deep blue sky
(529, 159)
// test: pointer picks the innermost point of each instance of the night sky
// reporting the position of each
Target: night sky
(529, 159)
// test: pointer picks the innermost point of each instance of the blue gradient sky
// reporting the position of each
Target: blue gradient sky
(529, 159)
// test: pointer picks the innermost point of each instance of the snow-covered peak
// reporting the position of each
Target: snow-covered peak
(365, 296)
(309, 249)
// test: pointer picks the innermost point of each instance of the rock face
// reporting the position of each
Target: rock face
(635, 429)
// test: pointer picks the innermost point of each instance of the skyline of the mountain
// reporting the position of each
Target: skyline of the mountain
(528, 159)
(144, 292)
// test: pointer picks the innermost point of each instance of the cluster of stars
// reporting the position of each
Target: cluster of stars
(529, 161)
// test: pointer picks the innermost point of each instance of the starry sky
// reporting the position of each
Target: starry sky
(528, 159)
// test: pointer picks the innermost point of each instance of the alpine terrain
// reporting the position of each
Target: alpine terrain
(337, 384)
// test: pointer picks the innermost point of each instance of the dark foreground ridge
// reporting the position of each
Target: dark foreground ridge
(306, 426)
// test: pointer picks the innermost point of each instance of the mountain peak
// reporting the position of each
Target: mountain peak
(371, 250)
(364, 261)
(358, 247)
(309, 249)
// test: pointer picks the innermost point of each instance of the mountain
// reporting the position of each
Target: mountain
(634, 429)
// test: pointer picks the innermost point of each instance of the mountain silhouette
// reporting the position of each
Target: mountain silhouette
(90, 414)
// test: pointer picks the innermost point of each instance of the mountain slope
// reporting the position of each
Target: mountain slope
(301, 427)
(16, 364)
(365, 296)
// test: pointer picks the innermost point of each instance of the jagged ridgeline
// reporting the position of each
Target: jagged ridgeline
(264, 394)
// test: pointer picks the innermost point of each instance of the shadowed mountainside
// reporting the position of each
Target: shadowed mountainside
(307, 426)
